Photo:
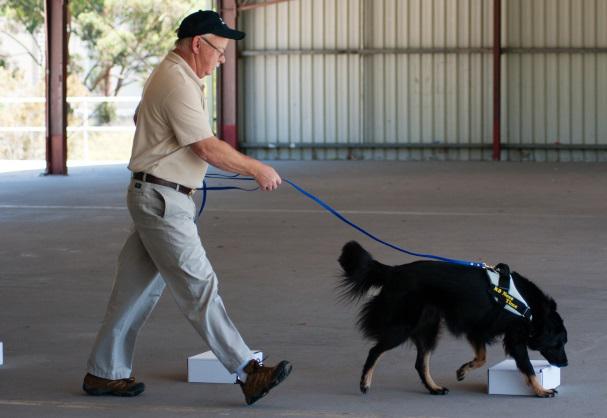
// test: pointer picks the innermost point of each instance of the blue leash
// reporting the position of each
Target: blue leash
(333, 212)
(204, 189)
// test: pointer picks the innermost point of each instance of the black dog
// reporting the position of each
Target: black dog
(415, 297)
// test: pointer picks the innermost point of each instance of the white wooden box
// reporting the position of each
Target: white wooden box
(506, 379)
(205, 368)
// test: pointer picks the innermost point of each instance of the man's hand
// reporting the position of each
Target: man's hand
(221, 155)
(267, 178)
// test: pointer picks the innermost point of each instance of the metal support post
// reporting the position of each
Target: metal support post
(227, 98)
(56, 86)
(497, 78)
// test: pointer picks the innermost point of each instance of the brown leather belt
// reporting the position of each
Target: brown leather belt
(148, 178)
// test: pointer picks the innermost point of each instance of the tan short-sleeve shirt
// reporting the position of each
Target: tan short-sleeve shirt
(172, 115)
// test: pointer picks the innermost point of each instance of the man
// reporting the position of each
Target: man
(172, 148)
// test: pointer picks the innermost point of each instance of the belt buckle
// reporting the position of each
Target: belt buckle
(191, 192)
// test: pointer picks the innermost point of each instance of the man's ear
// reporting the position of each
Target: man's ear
(196, 44)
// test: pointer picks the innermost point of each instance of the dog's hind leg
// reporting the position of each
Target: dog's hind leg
(425, 337)
(367, 376)
(422, 365)
(480, 358)
(375, 352)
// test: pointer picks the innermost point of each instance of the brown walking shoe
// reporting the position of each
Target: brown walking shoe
(98, 386)
(260, 379)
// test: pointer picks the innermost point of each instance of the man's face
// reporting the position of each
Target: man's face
(210, 54)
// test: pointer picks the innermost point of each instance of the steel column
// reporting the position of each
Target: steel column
(56, 86)
(227, 99)
(497, 78)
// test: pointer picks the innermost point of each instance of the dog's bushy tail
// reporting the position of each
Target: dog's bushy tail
(360, 272)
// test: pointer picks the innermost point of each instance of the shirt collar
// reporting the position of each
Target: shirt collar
(177, 59)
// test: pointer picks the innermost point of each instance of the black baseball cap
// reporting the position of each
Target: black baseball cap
(206, 21)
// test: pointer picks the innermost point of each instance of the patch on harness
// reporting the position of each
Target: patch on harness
(505, 293)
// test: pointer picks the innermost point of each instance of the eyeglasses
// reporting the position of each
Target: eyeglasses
(221, 53)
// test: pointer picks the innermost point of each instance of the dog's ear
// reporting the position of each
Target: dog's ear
(552, 305)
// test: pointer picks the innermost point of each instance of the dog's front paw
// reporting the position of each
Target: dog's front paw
(461, 373)
(539, 389)
(546, 393)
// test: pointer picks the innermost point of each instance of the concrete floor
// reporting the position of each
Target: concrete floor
(275, 254)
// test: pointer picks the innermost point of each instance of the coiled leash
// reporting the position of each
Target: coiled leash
(329, 209)
(204, 189)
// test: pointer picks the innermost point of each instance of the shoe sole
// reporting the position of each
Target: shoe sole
(137, 390)
(283, 369)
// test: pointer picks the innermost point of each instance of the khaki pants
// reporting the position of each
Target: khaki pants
(163, 249)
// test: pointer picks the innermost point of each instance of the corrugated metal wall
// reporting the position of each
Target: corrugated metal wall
(421, 95)
(312, 98)
(556, 97)
(399, 79)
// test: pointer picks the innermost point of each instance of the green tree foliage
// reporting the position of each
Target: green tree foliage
(25, 15)
(124, 38)
(28, 13)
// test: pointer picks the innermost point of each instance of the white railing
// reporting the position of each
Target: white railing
(81, 108)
